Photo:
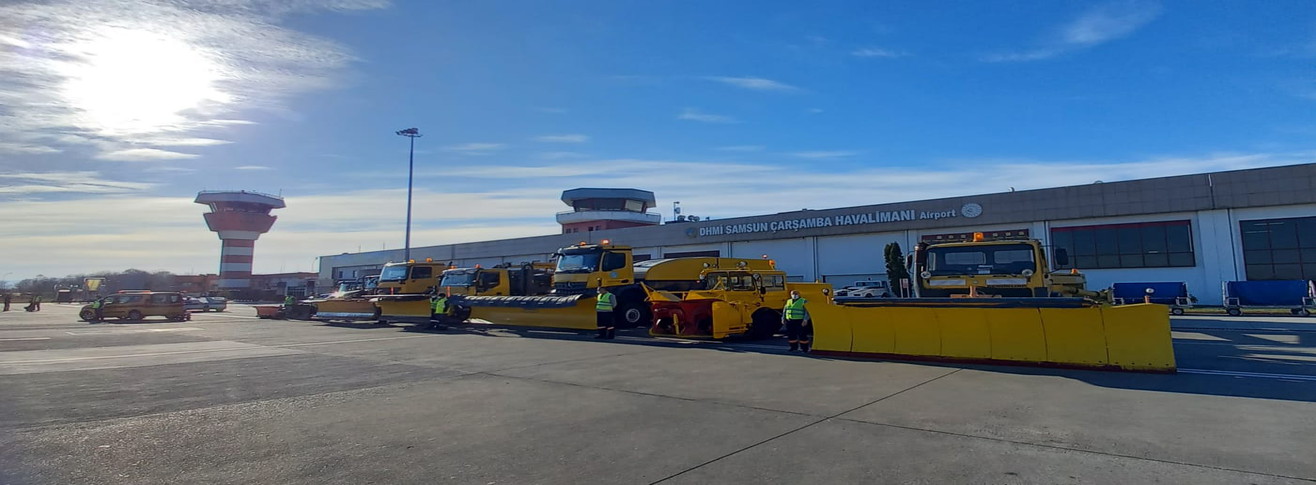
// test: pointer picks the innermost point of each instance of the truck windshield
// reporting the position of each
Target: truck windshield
(457, 278)
(578, 262)
(393, 273)
(969, 260)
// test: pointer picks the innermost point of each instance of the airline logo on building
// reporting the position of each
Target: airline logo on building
(969, 211)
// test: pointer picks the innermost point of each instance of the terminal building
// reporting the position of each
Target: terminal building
(1202, 230)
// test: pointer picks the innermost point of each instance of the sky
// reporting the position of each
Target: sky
(115, 113)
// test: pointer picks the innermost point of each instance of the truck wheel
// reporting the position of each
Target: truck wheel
(135, 315)
(633, 314)
(1176, 311)
(1234, 311)
(764, 324)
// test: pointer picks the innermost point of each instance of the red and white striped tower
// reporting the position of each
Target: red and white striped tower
(239, 217)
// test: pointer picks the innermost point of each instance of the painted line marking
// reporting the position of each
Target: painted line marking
(332, 342)
(225, 315)
(1256, 375)
(23, 338)
(108, 331)
(128, 356)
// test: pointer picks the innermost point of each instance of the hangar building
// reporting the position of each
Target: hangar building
(1201, 229)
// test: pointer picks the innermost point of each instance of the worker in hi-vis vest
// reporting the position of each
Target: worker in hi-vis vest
(439, 309)
(796, 318)
(604, 306)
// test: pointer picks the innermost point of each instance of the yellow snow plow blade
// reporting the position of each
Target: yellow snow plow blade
(569, 312)
(344, 309)
(1062, 332)
(408, 308)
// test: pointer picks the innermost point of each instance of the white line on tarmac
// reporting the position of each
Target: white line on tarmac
(1256, 375)
(108, 331)
(23, 338)
(129, 356)
(307, 344)
(227, 315)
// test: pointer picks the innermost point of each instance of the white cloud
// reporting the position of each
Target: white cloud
(1093, 27)
(252, 167)
(111, 75)
(19, 184)
(693, 114)
(560, 155)
(753, 83)
(73, 236)
(143, 155)
(475, 148)
(821, 154)
(742, 148)
(574, 138)
(877, 52)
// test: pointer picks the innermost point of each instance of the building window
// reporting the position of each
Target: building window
(1279, 249)
(1139, 245)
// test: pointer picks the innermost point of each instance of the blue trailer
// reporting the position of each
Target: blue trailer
(1298, 296)
(1170, 293)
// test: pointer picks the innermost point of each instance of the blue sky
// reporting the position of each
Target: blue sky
(114, 113)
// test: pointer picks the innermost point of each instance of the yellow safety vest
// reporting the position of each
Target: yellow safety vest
(96, 304)
(606, 302)
(795, 309)
(288, 300)
(441, 306)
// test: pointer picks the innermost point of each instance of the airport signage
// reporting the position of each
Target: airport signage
(970, 210)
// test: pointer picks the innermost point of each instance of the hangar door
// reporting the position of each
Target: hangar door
(794, 256)
(843, 260)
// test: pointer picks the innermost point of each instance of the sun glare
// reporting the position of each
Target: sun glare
(132, 81)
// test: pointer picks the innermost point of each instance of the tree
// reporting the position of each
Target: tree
(895, 267)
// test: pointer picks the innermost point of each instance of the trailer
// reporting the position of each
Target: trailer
(1298, 296)
(1173, 294)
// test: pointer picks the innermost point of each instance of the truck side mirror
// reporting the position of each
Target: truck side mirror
(1062, 257)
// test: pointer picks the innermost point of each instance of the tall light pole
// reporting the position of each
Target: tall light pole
(413, 134)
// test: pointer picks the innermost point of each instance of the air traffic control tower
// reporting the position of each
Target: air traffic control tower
(239, 217)
(596, 209)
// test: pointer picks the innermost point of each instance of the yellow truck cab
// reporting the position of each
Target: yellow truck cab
(137, 305)
(1007, 268)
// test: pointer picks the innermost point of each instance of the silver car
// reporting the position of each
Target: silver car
(206, 304)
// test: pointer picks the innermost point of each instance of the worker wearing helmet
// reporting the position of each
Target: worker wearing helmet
(796, 318)
(603, 307)
(439, 308)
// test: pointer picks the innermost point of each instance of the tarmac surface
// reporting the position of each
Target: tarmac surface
(229, 398)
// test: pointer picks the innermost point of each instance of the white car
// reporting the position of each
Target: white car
(206, 304)
(870, 289)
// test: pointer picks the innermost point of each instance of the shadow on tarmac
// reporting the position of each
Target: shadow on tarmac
(1237, 363)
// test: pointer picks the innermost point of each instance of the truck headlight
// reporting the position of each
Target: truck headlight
(1026, 273)
(926, 274)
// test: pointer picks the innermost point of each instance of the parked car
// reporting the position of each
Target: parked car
(206, 303)
(870, 289)
(134, 306)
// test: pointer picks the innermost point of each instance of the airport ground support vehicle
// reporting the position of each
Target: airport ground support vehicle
(526, 279)
(866, 288)
(137, 305)
(997, 302)
(730, 302)
(1009, 268)
(582, 269)
(405, 289)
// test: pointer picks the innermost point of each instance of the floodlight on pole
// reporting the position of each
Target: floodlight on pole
(413, 134)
